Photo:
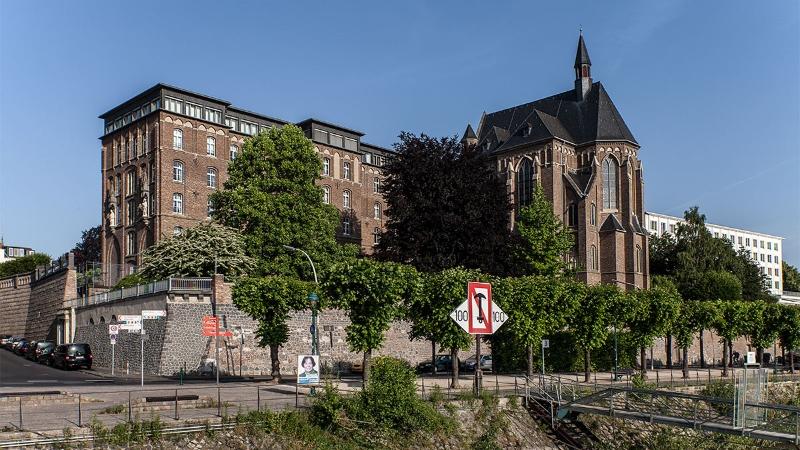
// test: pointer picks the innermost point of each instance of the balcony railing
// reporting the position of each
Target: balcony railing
(201, 285)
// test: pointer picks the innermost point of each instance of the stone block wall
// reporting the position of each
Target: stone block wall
(15, 294)
(128, 349)
(47, 301)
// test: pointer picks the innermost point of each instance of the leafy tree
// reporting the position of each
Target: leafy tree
(131, 280)
(272, 199)
(730, 324)
(536, 306)
(374, 295)
(88, 249)
(791, 277)
(717, 285)
(429, 313)
(694, 317)
(790, 331)
(437, 192)
(658, 308)
(23, 264)
(590, 324)
(663, 254)
(199, 251)
(271, 299)
(763, 325)
(544, 238)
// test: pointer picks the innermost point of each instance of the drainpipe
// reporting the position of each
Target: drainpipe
(71, 324)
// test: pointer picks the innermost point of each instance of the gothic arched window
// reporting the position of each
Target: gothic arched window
(609, 183)
(525, 178)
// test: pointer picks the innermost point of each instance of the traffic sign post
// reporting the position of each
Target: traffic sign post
(479, 315)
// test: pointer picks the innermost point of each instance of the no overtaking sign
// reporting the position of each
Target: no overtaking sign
(479, 314)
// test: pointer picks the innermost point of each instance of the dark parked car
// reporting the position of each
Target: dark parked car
(31, 346)
(469, 364)
(37, 350)
(21, 347)
(70, 356)
(9, 345)
(443, 364)
(4, 339)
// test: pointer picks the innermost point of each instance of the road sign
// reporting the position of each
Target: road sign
(130, 322)
(150, 314)
(478, 314)
(545, 343)
(113, 329)
(210, 327)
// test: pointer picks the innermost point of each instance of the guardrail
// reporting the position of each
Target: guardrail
(168, 285)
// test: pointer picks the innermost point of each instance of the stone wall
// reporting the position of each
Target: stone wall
(128, 349)
(712, 349)
(15, 294)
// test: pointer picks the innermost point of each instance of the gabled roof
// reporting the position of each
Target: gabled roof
(561, 116)
(469, 133)
(612, 224)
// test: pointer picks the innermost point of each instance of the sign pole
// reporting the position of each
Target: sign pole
(216, 344)
(112, 357)
(141, 332)
(542, 357)
(478, 373)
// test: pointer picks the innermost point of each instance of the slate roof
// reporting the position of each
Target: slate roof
(612, 224)
(469, 133)
(582, 55)
(560, 116)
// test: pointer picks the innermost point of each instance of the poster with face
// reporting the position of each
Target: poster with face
(308, 369)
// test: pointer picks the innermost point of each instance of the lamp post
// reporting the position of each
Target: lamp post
(313, 298)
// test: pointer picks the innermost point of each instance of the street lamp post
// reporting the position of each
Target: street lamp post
(314, 299)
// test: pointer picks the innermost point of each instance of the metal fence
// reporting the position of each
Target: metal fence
(168, 285)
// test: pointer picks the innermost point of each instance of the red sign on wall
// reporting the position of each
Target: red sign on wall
(211, 327)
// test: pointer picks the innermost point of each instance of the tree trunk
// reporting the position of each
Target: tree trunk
(276, 362)
(791, 361)
(530, 361)
(643, 356)
(725, 358)
(702, 351)
(685, 362)
(586, 365)
(367, 362)
(454, 365)
(730, 352)
(669, 350)
(433, 357)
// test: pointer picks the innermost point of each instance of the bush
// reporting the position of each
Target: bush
(328, 407)
(722, 390)
(129, 281)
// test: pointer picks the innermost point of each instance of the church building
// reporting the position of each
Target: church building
(578, 147)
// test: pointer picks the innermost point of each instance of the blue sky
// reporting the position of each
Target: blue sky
(709, 89)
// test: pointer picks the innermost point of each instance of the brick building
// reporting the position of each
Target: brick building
(165, 150)
(577, 145)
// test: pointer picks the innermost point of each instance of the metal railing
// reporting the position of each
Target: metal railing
(168, 285)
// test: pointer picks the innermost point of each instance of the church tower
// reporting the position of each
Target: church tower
(583, 70)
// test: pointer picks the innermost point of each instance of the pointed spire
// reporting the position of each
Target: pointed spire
(582, 55)
(469, 138)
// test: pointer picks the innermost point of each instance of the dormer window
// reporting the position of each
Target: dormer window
(527, 130)
(487, 145)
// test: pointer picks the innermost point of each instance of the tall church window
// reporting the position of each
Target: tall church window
(593, 215)
(609, 183)
(593, 258)
(638, 259)
(525, 179)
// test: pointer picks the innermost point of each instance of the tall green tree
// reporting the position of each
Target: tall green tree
(730, 324)
(199, 251)
(791, 277)
(373, 294)
(790, 332)
(437, 192)
(272, 299)
(693, 317)
(659, 307)
(429, 313)
(545, 240)
(663, 254)
(763, 325)
(272, 199)
(590, 324)
(536, 306)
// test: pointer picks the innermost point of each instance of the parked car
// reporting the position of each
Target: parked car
(36, 350)
(4, 339)
(9, 345)
(68, 356)
(22, 348)
(443, 364)
(31, 346)
(469, 364)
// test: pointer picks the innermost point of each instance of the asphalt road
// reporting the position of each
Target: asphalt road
(18, 371)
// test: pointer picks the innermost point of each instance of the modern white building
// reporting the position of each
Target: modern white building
(9, 252)
(765, 249)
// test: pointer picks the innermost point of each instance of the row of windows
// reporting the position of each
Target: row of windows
(130, 148)
(16, 252)
(743, 241)
(526, 179)
(178, 174)
(193, 110)
(769, 258)
(594, 263)
(211, 144)
(335, 140)
(136, 114)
